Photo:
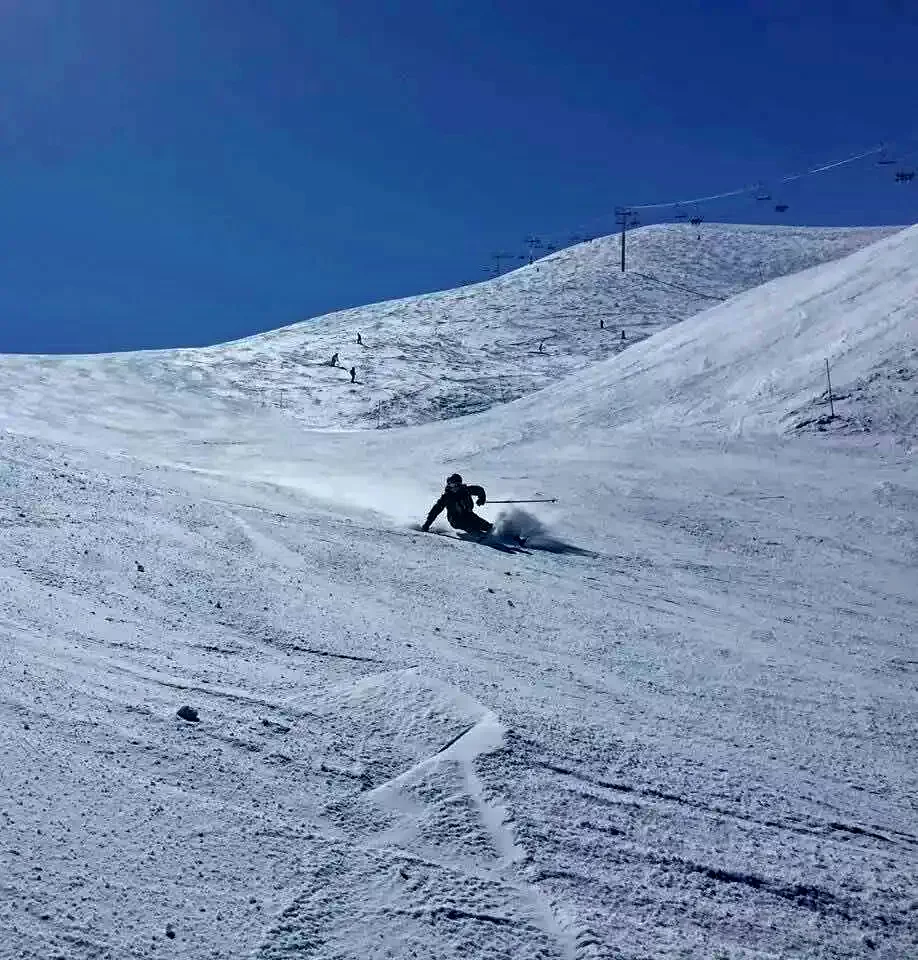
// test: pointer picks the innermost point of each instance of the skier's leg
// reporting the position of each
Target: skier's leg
(472, 523)
(479, 524)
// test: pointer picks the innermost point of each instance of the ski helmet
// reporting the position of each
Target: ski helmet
(453, 478)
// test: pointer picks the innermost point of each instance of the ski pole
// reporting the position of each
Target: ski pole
(544, 500)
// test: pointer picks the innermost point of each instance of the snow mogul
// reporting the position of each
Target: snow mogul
(457, 501)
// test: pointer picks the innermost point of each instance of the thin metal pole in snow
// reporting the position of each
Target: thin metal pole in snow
(829, 379)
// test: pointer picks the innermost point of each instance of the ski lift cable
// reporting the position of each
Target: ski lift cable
(882, 148)
(676, 203)
(758, 186)
(830, 166)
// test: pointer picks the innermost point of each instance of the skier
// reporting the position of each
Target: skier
(457, 500)
(353, 373)
(602, 324)
(359, 340)
(334, 360)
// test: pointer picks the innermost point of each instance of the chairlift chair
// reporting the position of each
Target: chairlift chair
(780, 207)
(885, 159)
(905, 176)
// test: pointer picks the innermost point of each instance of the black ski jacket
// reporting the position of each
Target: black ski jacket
(458, 504)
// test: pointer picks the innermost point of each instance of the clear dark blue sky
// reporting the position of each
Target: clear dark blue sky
(191, 171)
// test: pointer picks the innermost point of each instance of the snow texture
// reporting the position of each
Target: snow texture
(679, 722)
(460, 351)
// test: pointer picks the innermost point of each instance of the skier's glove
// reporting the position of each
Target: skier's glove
(481, 501)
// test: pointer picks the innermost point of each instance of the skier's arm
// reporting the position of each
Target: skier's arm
(435, 512)
(479, 493)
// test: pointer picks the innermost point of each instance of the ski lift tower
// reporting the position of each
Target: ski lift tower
(626, 219)
(499, 258)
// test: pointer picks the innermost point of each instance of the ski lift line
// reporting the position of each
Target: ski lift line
(758, 186)
(830, 166)
(677, 203)
(883, 148)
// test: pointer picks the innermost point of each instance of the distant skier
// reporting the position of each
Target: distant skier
(353, 373)
(334, 360)
(457, 501)
(602, 324)
(359, 340)
(623, 334)
(542, 347)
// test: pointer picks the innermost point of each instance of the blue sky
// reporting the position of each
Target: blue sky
(190, 171)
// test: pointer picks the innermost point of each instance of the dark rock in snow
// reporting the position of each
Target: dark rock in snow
(188, 713)
(140, 567)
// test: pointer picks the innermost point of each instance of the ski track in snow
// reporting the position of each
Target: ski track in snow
(694, 737)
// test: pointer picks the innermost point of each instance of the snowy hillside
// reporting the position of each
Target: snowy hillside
(445, 354)
(679, 721)
(758, 361)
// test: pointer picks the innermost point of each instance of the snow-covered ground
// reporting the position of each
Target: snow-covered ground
(446, 354)
(681, 722)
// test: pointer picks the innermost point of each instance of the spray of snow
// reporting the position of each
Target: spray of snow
(518, 524)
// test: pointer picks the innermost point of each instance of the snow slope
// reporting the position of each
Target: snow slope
(757, 362)
(691, 734)
(446, 354)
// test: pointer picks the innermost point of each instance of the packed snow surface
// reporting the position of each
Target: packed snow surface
(680, 721)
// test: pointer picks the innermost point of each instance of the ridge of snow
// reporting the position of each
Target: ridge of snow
(446, 354)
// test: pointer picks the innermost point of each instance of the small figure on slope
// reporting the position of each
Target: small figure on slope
(334, 360)
(359, 340)
(353, 373)
(457, 501)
